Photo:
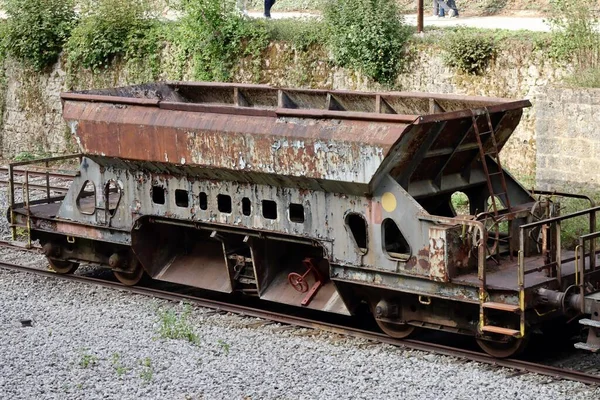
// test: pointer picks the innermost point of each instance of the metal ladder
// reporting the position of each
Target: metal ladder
(493, 153)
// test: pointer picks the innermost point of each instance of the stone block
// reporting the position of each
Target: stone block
(546, 145)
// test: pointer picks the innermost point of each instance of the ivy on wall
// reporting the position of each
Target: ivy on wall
(36, 31)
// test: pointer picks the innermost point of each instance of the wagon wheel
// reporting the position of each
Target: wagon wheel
(397, 331)
(512, 348)
(63, 267)
(134, 276)
(298, 282)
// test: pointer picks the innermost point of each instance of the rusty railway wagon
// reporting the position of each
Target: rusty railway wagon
(319, 199)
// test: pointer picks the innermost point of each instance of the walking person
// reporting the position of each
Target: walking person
(268, 5)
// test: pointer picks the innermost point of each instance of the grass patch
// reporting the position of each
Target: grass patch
(177, 326)
(147, 372)
(586, 78)
(87, 360)
(224, 346)
(31, 156)
(119, 368)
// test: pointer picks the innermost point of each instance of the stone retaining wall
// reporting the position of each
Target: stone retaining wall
(568, 140)
(32, 121)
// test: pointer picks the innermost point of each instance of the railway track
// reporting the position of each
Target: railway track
(520, 365)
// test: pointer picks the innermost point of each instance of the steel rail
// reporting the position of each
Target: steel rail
(525, 366)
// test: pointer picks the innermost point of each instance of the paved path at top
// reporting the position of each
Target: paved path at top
(488, 22)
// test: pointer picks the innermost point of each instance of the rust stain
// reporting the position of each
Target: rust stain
(347, 149)
(410, 264)
(375, 214)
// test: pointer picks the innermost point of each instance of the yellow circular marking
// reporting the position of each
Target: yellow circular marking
(388, 201)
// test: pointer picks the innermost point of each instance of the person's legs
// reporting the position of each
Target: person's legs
(268, 5)
(443, 8)
(452, 5)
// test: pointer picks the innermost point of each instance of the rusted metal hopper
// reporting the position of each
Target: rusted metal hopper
(336, 141)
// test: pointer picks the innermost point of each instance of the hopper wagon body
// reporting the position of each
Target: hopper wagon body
(318, 199)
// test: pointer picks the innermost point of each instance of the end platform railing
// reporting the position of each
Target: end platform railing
(554, 260)
(47, 171)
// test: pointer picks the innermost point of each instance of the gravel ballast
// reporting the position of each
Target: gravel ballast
(91, 342)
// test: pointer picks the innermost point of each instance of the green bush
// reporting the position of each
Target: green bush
(469, 52)
(369, 36)
(300, 33)
(576, 39)
(111, 28)
(216, 36)
(36, 30)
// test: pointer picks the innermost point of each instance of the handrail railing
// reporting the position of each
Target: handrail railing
(564, 194)
(580, 270)
(560, 218)
(25, 186)
(557, 261)
(552, 253)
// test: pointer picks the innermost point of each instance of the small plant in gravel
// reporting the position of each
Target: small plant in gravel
(120, 369)
(147, 373)
(224, 346)
(24, 156)
(173, 326)
(87, 360)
